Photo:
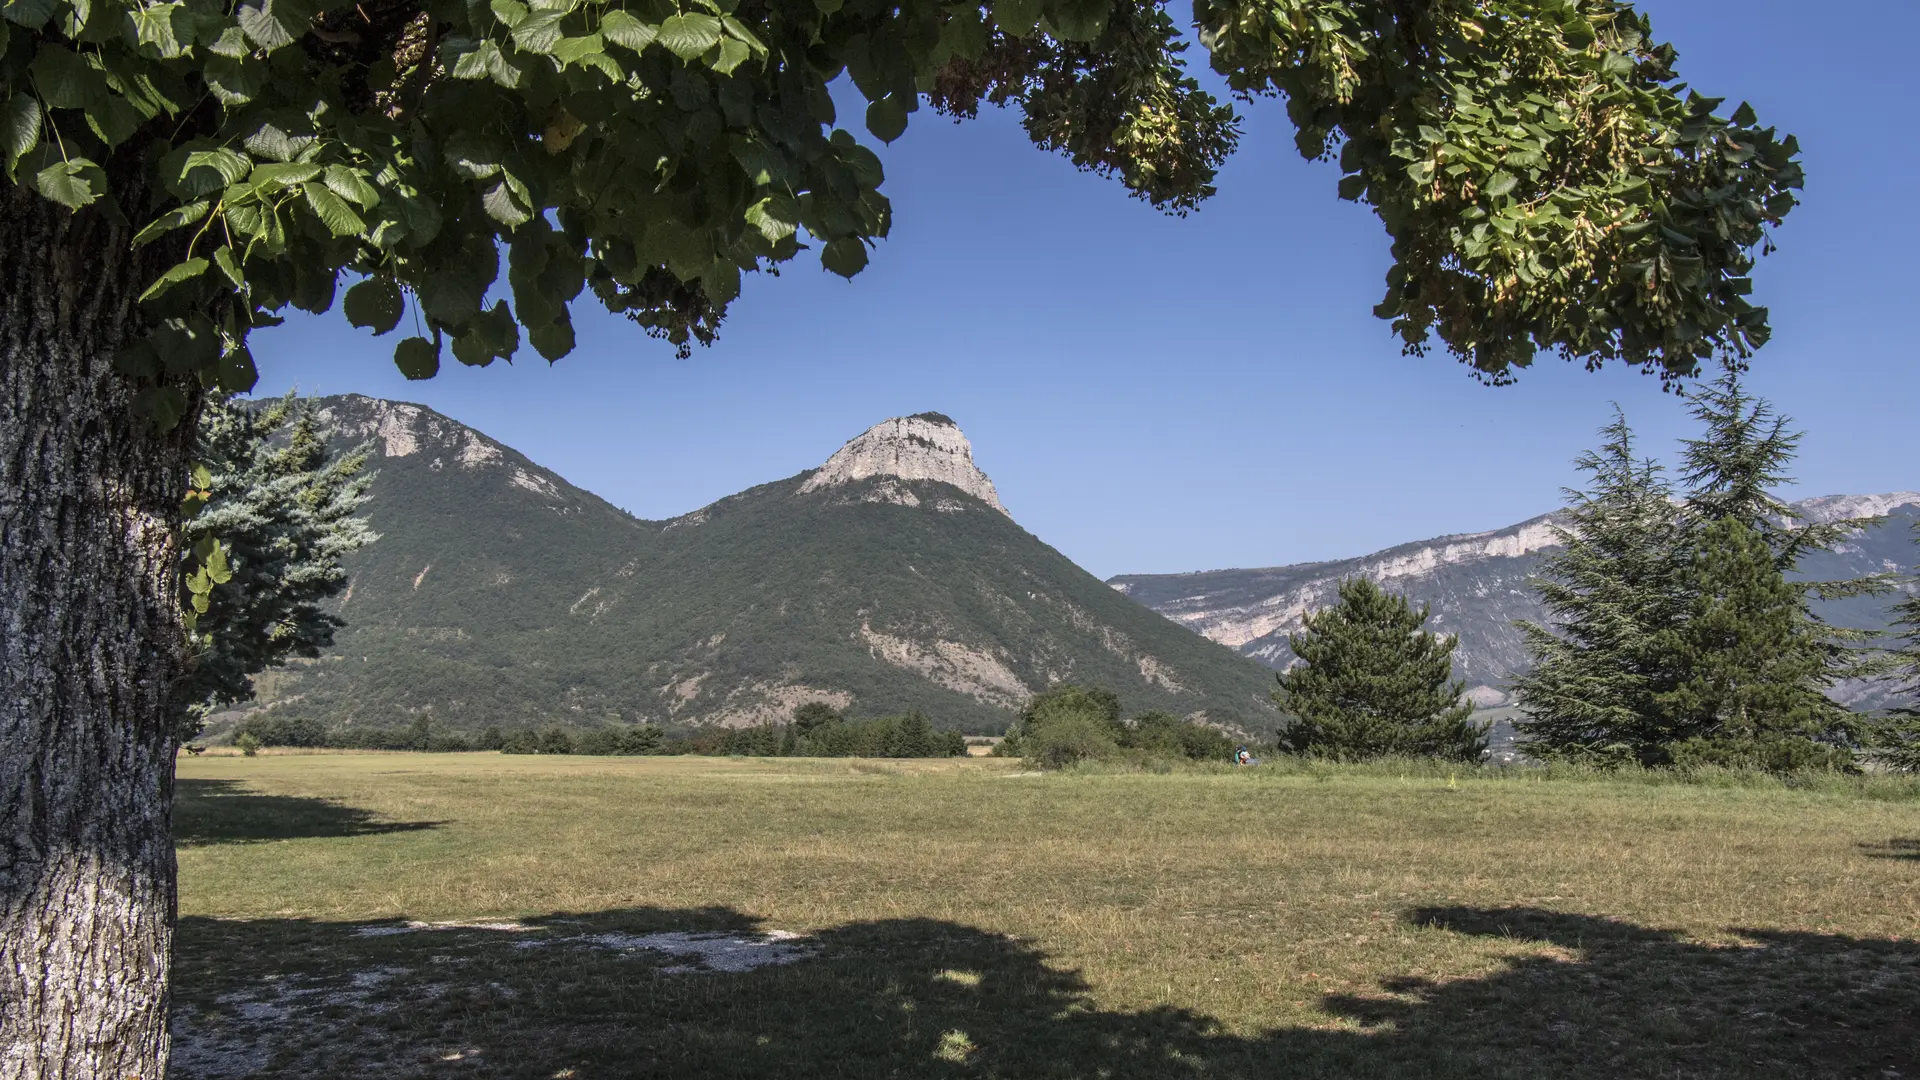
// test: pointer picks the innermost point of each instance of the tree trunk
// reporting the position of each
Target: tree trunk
(91, 650)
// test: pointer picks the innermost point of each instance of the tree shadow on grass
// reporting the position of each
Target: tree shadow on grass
(226, 812)
(1900, 847)
(703, 993)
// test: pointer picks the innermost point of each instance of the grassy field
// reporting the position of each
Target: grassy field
(488, 916)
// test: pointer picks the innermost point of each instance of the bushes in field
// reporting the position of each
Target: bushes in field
(1069, 724)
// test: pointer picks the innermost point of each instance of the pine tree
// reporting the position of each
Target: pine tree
(1627, 675)
(283, 508)
(1733, 469)
(1732, 472)
(1613, 589)
(1371, 683)
(1895, 741)
(1751, 666)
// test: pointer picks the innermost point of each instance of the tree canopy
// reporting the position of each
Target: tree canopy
(1547, 181)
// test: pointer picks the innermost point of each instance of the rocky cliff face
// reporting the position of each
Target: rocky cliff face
(926, 446)
(1479, 583)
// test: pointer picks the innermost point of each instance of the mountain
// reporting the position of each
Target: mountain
(1477, 584)
(889, 578)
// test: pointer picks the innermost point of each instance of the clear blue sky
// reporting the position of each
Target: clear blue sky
(1154, 394)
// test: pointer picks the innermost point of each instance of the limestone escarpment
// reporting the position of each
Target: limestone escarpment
(927, 446)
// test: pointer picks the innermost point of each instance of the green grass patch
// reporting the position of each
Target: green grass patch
(610, 918)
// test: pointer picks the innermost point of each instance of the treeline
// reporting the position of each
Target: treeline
(815, 730)
(1070, 724)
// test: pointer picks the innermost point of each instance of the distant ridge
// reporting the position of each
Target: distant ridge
(1479, 583)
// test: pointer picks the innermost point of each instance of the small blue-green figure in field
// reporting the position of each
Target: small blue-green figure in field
(1243, 757)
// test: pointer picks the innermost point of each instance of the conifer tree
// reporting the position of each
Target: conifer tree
(1372, 683)
(1625, 674)
(1751, 667)
(1895, 741)
(284, 514)
(1613, 589)
(1732, 471)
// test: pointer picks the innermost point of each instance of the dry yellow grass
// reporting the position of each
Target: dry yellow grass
(1256, 922)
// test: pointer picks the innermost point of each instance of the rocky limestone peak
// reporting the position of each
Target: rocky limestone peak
(925, 446)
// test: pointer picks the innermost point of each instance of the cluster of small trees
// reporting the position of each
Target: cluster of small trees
(816, 730)
(1682, 633)
(1071, 723)
(265, 729)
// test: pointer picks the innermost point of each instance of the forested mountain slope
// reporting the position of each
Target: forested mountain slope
(890, 578)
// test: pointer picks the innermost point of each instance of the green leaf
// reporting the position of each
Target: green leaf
(554, 340)
(375, 304)
(65, 80)
(887, 118)
(689, 35)
(486, 61)
(186, 270)
(1352, 187)
(69, 183)
(288, 174)
(1080, 20)
(157, 29)
(576, 50)
(268, 141)
(1017, 17)
(235, 82)
(351, 185)
(164, 405)
(538, 32)
(738, 30)
(19, 129)
(730, 55)
(272, 25)
(417, 358)
(31, 14)
(775, 217)
(1502, 183)
(113, 119)
(846, 256)
(223, 258)
(623, 29)
(333, 211)
(503, 207)
(222, 168)
(237, 373)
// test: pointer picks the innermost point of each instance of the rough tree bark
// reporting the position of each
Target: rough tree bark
(91, 647)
